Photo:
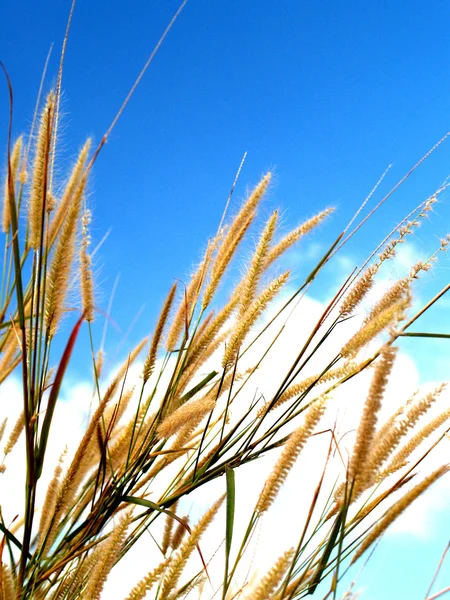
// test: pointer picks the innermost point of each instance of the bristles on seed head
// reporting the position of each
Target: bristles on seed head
(388, 318)
(194, 410)
(291, 238)
(247, 321)
(290, 453)
(257, 265)
(368, 422)
(358, 292)
(396, 510)
(272, 578)
(87, 286)
(38, 194)
(235, 233)
(15, 159)
(76, 179)
(156, 340)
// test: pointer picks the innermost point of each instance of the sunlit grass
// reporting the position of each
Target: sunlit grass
(195, 414)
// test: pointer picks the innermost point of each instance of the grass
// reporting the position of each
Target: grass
(195, 415)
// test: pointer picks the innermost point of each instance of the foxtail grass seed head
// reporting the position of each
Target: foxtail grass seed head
(400, 458)
(15, 434)
(367, 426)
(257, 265)
(168, 527)
(179, 533)
(206, 338)
(58, 276)
(222, 261)
(181, 557)
(48, 507)
(15, 160)
(184, 313)
(99, 361)
(8, 589)
(253, 313)
(358, 292)
(192, 410)
(397, 509)
(109, 552)
(384, 445)
(150, 361)
(3, 427)
(139, 592)
(233, 237)
(289, 455)
(296, 234)
(388, 318)
(76, 180)
(40, 171)
(296, 389)
(87, 286)
(272, 579)
(10, 355)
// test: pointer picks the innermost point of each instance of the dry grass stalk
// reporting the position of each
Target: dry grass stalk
(289, 455)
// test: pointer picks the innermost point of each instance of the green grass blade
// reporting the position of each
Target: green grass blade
(230, 508)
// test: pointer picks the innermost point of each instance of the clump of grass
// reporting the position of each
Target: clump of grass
(187, 423)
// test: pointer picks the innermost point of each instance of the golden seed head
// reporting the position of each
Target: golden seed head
(39, 182)
(87, 286)
(150, 361)
(15, 159)
(257, 265)
(290, 453)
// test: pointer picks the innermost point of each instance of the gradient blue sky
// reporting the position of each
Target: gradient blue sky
(328, 94)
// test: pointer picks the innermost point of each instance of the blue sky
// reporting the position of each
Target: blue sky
(327, 94)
